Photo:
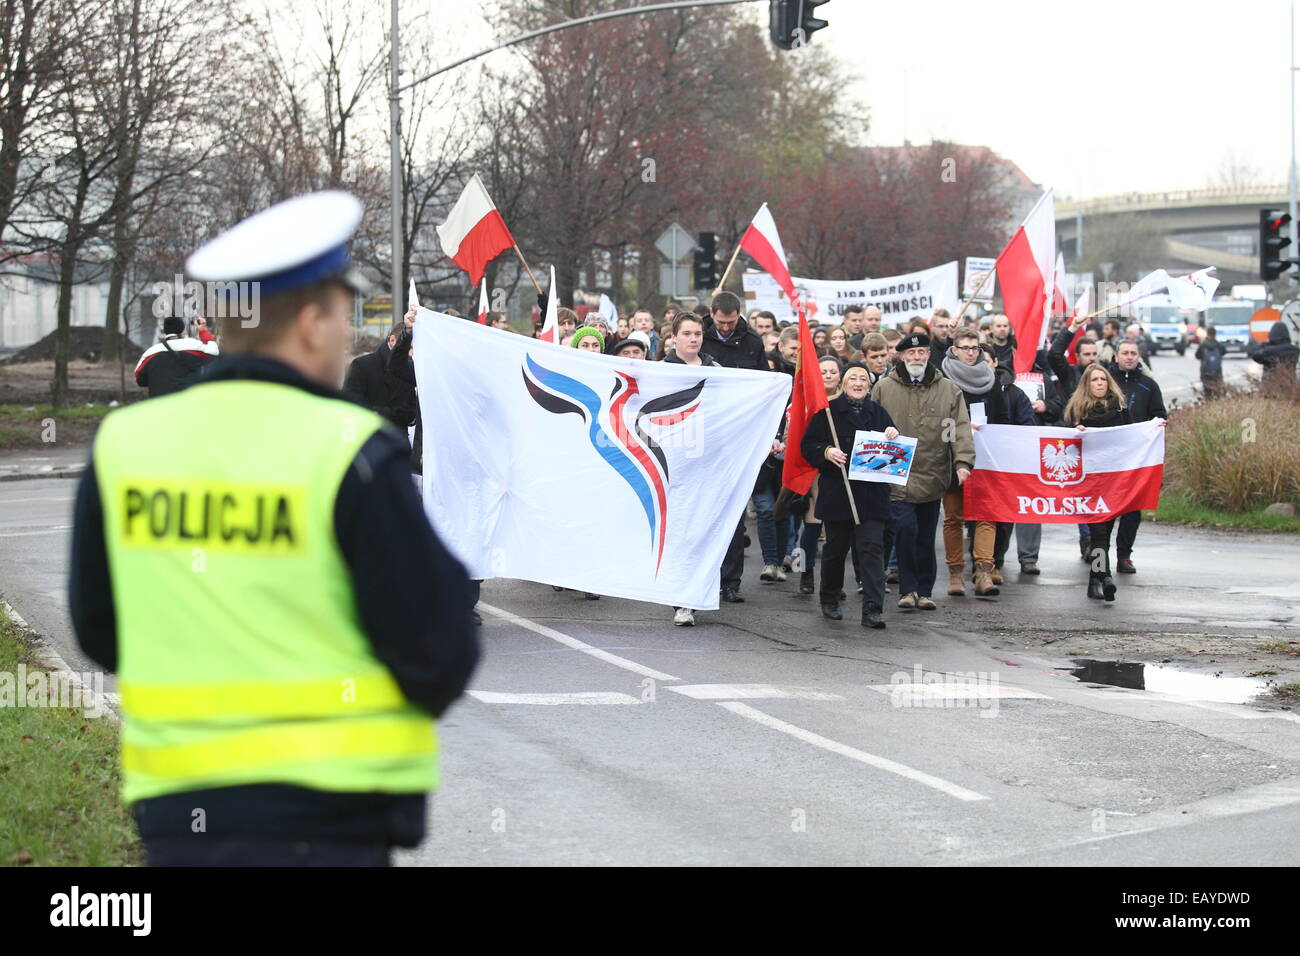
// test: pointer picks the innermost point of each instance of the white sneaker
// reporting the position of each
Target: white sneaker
(780, 573)
(768, 573)
(684, 617)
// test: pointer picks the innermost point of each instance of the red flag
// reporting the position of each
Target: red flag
(807, 399)
(482, 304)
(1025, 270)
(1080, 308)
(474, 233)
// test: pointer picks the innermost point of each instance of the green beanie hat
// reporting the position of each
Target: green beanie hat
(585, 331)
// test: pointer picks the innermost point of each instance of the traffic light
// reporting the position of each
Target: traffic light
(706, 261)
(1272, 241)
(791, 22)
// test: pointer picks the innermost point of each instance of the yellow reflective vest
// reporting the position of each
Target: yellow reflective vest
(241, 656)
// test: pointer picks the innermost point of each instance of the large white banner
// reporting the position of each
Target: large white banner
(586, 471)
(897, 297)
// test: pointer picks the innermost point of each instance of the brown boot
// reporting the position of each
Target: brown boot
(956, 585)
(984, 586)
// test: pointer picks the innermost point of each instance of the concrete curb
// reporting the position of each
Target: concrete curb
(53, 473)
(110, 704)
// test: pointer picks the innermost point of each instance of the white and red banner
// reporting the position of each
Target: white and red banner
(584, 470)
(897, 297)
(1064, 476)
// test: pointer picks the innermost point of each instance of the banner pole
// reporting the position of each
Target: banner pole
(723, 281)
(978, 290)
(848, 488)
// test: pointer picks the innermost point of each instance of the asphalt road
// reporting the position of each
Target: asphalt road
(597, 733)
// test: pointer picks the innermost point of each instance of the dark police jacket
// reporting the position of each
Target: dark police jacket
(413, 602)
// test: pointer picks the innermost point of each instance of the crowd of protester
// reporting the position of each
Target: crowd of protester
(918, 377)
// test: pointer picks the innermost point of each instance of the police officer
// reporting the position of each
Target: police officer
(284, 624)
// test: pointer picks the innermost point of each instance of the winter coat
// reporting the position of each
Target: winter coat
(1107, 417)
(871, 497)
(369, 381)
(1141, 393)
(1278, 355)
(741, 349)
(930, 412)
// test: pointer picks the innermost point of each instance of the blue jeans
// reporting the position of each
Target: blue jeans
(764, 502)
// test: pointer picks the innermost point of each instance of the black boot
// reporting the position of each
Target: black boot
(806, 585)
(871, 616)
(831, 612)
(1108, 587)
(1094, 585)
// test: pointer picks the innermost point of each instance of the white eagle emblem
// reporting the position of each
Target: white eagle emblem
(1060, 461)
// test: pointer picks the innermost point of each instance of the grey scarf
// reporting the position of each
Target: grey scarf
(975, 379)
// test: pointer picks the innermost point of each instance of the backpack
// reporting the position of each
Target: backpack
(1212, 362)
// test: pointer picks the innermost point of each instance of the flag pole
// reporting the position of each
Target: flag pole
(723, 281)
(848, 488)
(978, 290)
(526, 269)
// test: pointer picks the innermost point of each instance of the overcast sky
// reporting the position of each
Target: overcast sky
(1093, 98)
(1098, 97)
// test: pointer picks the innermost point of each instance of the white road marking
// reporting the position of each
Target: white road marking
(16, 501)
(750, 692)
(956, 690)
(844, 750)
(587, 698)
(56, 529)
(576, 644)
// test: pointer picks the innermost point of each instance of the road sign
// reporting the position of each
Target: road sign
(674, 279)
(1261, 322)
(675, 242)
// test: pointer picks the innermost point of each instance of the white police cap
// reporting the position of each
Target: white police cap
(292, 244)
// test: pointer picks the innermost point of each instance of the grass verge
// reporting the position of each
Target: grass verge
(1175, 509)
(59, 780)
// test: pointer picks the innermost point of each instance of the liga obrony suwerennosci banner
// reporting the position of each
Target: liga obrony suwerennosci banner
(583, 470)
(1062, 475)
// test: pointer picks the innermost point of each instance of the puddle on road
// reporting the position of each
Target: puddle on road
(1167, 680)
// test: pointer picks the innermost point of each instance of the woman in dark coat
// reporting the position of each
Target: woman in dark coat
(1097, 402)
(852, 411)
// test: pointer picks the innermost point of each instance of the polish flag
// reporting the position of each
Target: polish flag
(482, 304)
(1080, 308)
(763, 244)
(1025, 270)
(1062, 475)
(474, 232)
(550, 330)
(1060, 304)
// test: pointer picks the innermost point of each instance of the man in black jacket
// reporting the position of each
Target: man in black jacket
(175, 362)
(1143, 401)
(1278, 356)
(727, 336)
(852, 411)
(370, 382)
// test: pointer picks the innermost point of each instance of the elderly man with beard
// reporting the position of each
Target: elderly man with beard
(926, 406)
